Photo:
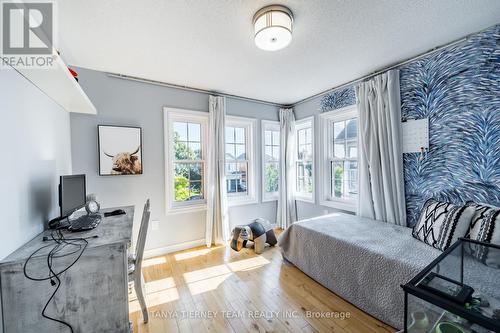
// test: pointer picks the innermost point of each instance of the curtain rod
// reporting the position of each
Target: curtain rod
(389, 67)
(187, 88)
(344, 85)
(395, 65)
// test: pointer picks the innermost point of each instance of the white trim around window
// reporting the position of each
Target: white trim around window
(273, 126)
(301, 125)
(326, 157)
(250, 196)
(172, 115)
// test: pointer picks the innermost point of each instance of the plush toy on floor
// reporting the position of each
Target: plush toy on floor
(259, 232)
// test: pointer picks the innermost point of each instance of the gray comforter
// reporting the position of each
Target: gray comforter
(362, 260)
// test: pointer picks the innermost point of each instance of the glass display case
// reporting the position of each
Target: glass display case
(459, 292)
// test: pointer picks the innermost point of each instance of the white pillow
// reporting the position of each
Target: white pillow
(442, 224)
(485, 227)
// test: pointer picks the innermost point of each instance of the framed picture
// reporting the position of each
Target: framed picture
(120, 150)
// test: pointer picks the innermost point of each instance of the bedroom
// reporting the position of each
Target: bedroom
(268, 167)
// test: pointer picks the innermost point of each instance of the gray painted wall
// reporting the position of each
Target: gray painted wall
(124, 102)
(35, 139)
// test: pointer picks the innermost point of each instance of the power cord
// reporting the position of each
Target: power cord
(57, 237)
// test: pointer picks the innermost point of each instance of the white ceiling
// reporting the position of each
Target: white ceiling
(208, 44)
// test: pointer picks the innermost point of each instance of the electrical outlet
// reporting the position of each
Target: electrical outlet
(155, 225)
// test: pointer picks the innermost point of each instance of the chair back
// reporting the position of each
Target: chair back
(141, 240)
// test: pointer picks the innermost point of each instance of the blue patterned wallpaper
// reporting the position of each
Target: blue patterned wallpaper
(458, 89)
(338, 99)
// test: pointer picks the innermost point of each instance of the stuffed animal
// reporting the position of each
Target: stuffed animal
(259, 232)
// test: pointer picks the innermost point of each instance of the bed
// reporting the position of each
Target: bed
(363, 261)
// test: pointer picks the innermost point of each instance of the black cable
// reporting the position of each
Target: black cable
(58, 285)
(59, 273)
(55, 275)
(59, 248)
(60, 244)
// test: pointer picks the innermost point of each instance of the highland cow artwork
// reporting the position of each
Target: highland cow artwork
(120, 150)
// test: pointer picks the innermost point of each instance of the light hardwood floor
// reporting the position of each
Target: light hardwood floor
(220, 290)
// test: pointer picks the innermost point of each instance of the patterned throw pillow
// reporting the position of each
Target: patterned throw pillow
(485, 227)
(442, 223)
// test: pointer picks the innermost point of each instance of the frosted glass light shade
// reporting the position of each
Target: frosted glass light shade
(273, 27)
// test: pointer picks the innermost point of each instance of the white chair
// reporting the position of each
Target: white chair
(135, 262)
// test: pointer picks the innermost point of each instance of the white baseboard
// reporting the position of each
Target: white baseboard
(173, 248)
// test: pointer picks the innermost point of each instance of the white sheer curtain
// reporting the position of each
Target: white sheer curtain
(381, 185)
(286, 201)
(217, 228)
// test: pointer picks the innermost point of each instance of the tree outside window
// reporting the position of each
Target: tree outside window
(188, 162)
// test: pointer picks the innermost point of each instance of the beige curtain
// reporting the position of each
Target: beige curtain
(217, 224)
(381, 184)
(286, 214)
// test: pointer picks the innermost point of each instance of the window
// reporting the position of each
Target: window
(239, 161)
(270, 160)
(185, 162)
(304, 170)
(188, 163)
(344, 161)
(340, 129)
(236, 160)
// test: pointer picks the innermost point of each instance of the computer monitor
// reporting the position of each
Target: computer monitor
(72, 194)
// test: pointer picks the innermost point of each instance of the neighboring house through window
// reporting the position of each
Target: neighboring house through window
(239, 162)
(340, 132)
(236, 160)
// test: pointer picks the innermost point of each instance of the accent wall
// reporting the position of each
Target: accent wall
(458, 89)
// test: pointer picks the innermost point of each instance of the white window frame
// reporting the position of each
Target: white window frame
(251, 197)
(299, 125)
(273, 126)
(326, 152)
(172, 115)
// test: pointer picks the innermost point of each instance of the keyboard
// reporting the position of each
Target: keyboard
(85, 222)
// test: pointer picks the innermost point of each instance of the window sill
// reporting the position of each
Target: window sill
(305, 199)
(186, 209)
(341, 205)
(271, 199)
(233, 202)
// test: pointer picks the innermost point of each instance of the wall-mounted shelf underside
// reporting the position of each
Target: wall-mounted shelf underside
(58, 84)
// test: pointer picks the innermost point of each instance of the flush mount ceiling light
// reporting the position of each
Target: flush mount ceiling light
(273, 27)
